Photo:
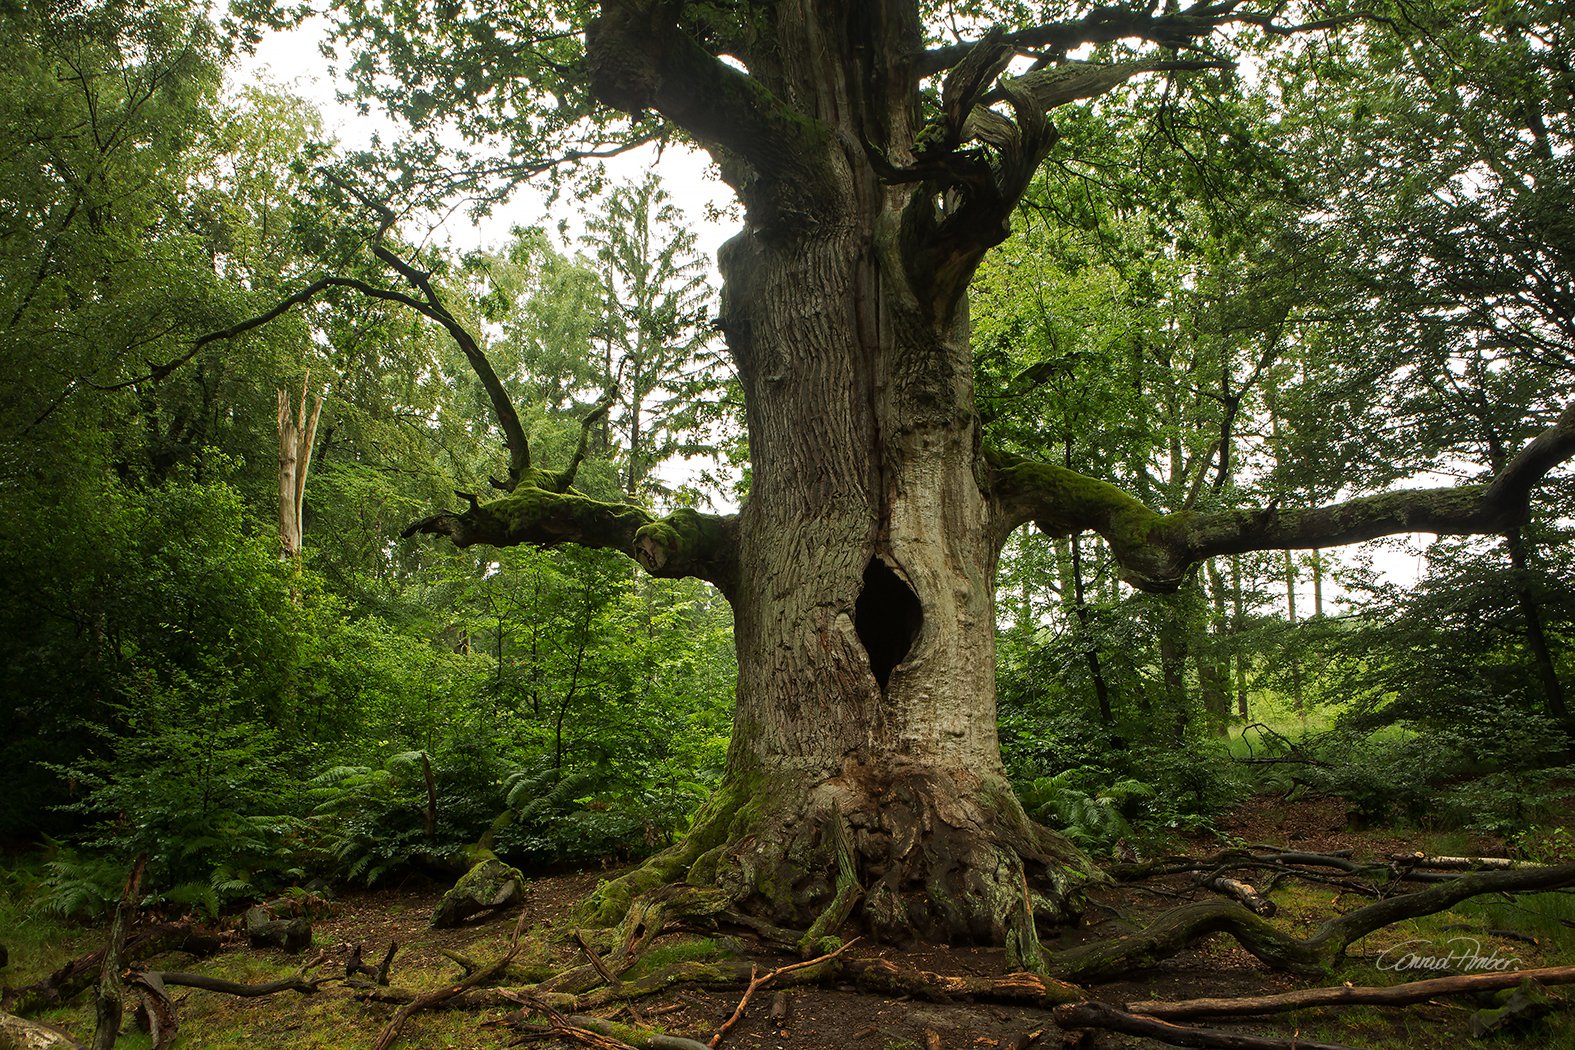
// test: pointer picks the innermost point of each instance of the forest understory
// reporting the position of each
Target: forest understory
(524, 976)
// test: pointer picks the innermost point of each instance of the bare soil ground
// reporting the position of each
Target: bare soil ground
(831, 1017)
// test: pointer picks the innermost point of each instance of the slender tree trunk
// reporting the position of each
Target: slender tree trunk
(1290, 617)
(1554, 703)
(1316, 557)
(1096, 670)
(297, 431)
(1238, 624)
(1214, 655)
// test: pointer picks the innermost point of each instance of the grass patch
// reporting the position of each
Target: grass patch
(695, 949)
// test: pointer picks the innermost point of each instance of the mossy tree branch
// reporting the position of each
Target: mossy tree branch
(683, 543)
(1154, 551)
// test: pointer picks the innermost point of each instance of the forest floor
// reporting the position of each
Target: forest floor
(1533, 931)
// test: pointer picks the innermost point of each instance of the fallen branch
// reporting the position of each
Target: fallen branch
(245, 991)
(1173, 931)
(1422, 860)
(390, 1031)
(1393, 995)
(74, 978)
(1100, 1015)
(1238, 891)
(755, 983)
(1031, 989)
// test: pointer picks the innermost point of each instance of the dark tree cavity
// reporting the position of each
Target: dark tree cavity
(888, 618)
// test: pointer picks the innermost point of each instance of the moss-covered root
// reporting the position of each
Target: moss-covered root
(1173, 931)
(950, 858)
(830, 920)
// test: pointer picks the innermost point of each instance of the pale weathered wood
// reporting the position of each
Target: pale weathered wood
(1348, 995)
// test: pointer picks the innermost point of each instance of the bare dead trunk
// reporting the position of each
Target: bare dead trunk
(297, 431)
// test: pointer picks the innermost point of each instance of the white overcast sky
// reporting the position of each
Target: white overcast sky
(291, 60)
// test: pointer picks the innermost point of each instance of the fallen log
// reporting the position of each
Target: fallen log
(1346, 995)
(1101, 1015)
(1422, 860)
(1174, 930)
(1243, 893)
(76, 976)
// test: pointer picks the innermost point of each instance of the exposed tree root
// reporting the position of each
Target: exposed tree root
(1176, 929)
(1099, 1015)
(559, 1003)
(1348, 995)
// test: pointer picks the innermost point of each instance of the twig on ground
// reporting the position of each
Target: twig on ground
(756, 982)
(390, 1032)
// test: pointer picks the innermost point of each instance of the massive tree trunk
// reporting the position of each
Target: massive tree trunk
(865, 560)
(865, 601)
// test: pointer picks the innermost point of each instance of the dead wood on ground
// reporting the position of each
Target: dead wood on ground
(1351, 995)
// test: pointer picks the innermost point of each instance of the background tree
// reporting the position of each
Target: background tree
(656, 332)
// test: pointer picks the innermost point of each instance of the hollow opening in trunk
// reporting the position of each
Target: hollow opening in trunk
(887, 618)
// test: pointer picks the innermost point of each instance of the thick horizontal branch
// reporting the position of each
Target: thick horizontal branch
(1154, 551)
(683, 543)
(1101, 26)
(1174, 930)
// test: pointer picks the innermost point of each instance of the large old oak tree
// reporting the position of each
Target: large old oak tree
(876, 167)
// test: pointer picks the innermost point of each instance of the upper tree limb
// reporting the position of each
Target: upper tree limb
(641, 58)
(1154, 551)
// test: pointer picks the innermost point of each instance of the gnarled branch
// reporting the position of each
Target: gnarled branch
(640, 58)
(683, 543)
(1154, 551)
